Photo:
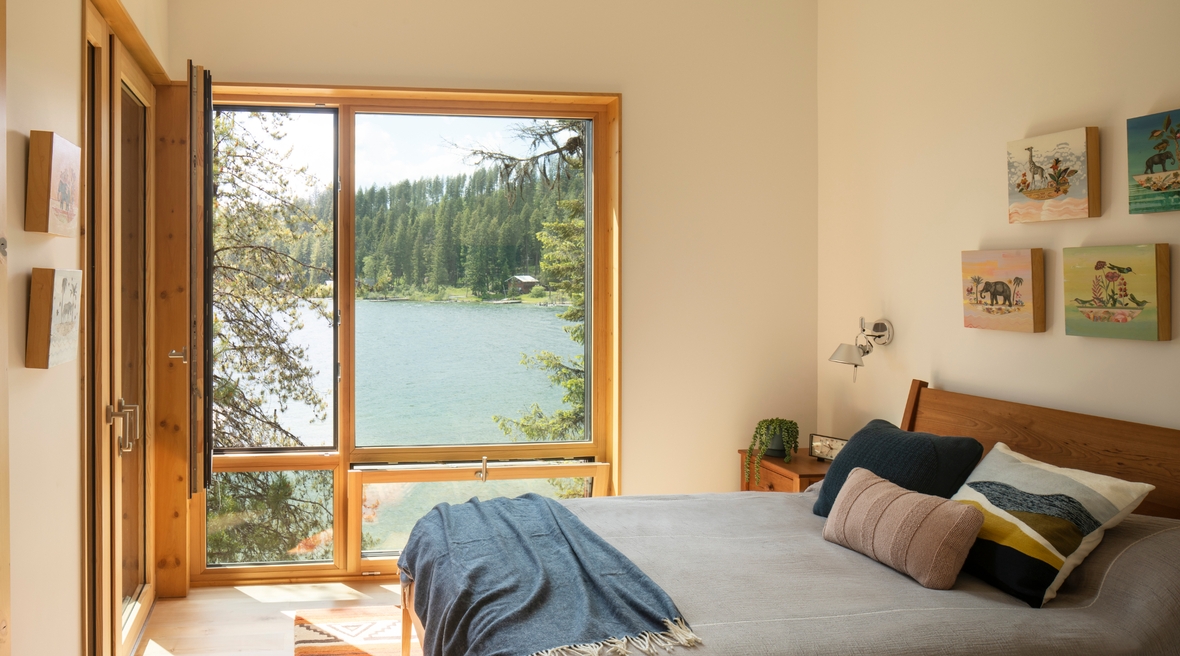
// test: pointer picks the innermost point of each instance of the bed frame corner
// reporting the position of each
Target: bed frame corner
(910, 417)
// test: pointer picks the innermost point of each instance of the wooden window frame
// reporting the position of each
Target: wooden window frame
(600, 454)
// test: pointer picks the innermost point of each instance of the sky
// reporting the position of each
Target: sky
(395, 147)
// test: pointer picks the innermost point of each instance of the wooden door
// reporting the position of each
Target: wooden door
(132, 99)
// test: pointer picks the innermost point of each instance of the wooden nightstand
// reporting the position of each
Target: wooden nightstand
(781, 476)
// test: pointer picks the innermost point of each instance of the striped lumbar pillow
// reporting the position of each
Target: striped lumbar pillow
(1040, 521)
(923, 536)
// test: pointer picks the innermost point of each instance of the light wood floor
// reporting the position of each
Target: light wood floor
(256, 619)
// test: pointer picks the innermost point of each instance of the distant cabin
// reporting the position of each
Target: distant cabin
(522, 284)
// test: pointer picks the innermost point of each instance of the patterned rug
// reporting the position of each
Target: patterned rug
(358, 631)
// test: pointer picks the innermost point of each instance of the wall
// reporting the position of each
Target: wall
(44, 93)
(151, 17)
(719, 203)
(916, 103)
(5, 491)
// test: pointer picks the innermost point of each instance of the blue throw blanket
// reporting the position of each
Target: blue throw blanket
(511, 577)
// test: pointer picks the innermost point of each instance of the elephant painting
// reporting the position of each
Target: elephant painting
(1160, 159)
(998, 290)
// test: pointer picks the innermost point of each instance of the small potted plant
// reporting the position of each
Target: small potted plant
(777, 438)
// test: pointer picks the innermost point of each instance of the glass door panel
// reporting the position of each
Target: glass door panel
(132, 465)
(273, 341)
(273, 279)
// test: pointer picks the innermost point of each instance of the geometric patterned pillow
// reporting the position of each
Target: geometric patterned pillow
(1039, 521)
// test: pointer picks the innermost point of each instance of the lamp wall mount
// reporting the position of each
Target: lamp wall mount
(880, 333)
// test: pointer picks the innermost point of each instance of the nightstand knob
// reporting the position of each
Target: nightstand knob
(770, 487)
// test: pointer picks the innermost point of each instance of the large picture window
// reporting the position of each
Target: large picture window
(414, 301)
(470, 245)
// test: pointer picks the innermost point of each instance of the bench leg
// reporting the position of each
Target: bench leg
(407, 624)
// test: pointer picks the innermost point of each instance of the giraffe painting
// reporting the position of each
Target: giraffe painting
(1034, 171)
(1055, 176)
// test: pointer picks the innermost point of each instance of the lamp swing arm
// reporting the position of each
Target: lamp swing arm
(880, 334)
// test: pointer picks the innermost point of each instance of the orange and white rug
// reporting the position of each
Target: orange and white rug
(357, 631)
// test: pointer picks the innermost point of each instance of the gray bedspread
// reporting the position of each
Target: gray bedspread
(753, 576)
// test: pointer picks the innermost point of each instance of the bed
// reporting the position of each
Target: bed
(751, 573)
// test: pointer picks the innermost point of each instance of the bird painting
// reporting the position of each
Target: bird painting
(1117, 291)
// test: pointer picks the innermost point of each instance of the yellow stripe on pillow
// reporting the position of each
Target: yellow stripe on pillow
(1001, 531)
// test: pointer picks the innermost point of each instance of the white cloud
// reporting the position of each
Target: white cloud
(395, 147)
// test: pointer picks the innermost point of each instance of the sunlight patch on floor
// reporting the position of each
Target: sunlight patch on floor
(277, 594)
(154, 649)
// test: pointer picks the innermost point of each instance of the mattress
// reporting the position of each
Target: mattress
(753, 576)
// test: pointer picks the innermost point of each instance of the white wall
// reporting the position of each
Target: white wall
(917, 101)
(719, 200)
(44, 93)
(151, 17)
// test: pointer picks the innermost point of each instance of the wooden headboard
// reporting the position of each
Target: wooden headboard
(1126, 450)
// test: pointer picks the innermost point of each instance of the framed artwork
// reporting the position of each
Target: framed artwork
(824, 447)
(1153, 162)
(1056, 176)
(1119, 291)
(53, 193)
(55, 298)
(1004, 290)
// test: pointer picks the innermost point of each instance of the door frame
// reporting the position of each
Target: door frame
(114, 65)
(125, 72)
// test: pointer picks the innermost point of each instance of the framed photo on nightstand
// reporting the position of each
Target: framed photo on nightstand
(824, 447)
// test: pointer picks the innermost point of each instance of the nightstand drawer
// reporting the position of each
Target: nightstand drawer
(772, 482)
(778, 475)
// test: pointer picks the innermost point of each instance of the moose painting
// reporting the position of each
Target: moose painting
(1055, 176)
(1004, 290)
(1153, 170)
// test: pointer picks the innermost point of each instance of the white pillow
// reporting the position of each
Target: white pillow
(1039, 521)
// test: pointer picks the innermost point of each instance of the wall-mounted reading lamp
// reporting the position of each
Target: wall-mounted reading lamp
(853, 354)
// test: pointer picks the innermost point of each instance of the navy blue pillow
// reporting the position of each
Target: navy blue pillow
(922, 462)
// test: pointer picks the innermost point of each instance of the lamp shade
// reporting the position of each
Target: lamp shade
(847, 354)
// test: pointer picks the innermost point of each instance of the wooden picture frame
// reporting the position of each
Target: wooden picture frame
(53, 194)
(1123, 292)
(1151, 141)
(1004, 290)
(1055, 176)
(54, 316)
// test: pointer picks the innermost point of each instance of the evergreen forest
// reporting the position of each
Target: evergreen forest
(466, 231)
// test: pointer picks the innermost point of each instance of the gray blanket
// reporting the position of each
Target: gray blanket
(753, 576)
(510, 577)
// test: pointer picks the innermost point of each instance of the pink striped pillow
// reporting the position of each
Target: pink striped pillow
(922, 536)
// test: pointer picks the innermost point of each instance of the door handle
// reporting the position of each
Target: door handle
(135, 432)
(130, 415)
(181, 355)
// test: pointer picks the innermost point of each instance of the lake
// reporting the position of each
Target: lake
(436, 373)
